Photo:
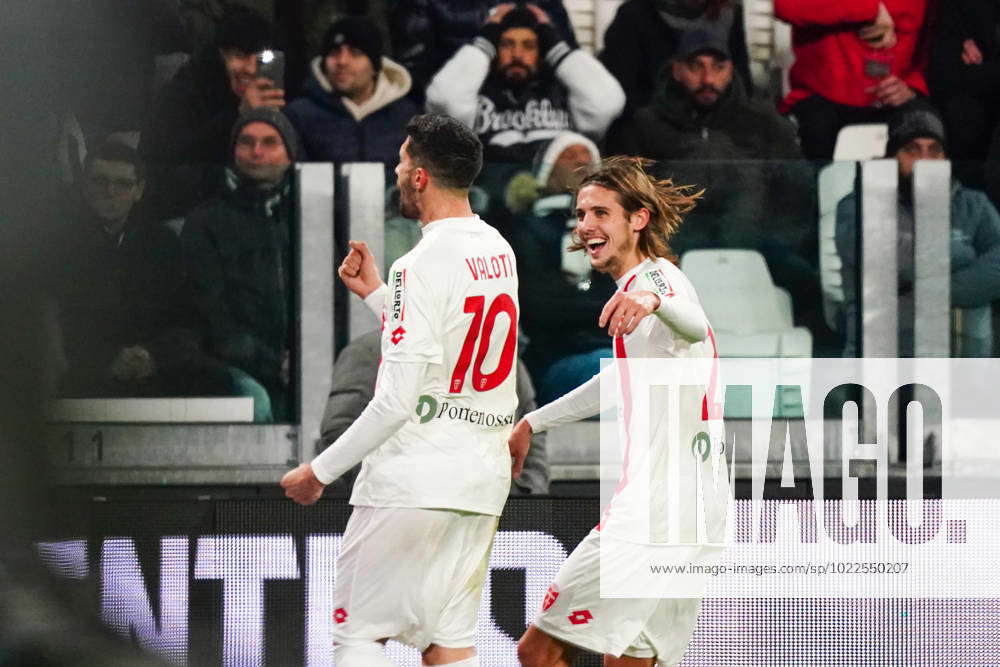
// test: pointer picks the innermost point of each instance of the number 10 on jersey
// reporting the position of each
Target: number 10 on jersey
(481, 331)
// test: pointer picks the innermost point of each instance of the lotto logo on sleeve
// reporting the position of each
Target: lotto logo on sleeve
(397, 335)
(581, 617)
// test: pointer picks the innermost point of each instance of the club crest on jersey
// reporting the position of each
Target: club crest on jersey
(398, 290)
(550, 598)
(663, 287)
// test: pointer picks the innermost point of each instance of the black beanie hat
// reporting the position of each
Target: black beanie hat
(519, 17)
(275, 119)
(357, 32)
(242, 28)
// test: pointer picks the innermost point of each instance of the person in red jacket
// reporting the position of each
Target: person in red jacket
(855, 62)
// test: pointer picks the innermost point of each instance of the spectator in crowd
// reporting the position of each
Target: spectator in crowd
(426, 33)
(965, 74)
(354, 108)
(518, 84)
(118, 292)
(702, 112)
(185, 143)
(644, 36)
(353, 386)
(237, 251)
(560, 296)
(705, 130)
(917, 133)
(856, 61)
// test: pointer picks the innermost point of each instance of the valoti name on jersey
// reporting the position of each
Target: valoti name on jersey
(489, 268)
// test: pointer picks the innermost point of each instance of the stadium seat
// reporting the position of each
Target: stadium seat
(751, 317)
(768, 46)
(835, 181)
(864, 141)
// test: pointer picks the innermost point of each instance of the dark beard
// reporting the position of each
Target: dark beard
(407, 207)
(517, 82)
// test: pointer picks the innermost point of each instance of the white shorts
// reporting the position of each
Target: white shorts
(574, 612)
(413, 575)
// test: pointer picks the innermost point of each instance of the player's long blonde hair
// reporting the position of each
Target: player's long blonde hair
(636, 188)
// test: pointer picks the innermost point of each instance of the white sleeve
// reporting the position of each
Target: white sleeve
(395, 397)
(582, 402)
(376, 300)
(454, 90)
(595, 96)
(683, 316)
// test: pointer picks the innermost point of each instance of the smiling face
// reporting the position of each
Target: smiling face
(609, 233)
(350, 72)
(260, 153)
(241, 69)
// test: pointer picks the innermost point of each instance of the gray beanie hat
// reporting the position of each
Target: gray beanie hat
(275, 119)
(914, 122)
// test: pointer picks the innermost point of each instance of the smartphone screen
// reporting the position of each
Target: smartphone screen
(271, 65)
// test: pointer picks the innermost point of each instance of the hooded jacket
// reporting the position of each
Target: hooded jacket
(334, 129)
(237, 252)
(674, 127)
(642, 38)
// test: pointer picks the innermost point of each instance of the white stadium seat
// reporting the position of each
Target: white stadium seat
(751, 317)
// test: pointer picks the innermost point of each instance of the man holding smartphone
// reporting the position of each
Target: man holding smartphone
(186, 140)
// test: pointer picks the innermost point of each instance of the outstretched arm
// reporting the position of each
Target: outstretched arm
(395, 396)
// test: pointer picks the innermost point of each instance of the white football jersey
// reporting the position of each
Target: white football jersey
(651, 503)
(452, 303)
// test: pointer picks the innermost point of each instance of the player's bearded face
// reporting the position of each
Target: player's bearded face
(610, 237)
(408, 203)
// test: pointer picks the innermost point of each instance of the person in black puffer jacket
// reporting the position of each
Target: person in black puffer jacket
(238, 257)
(354, 108)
